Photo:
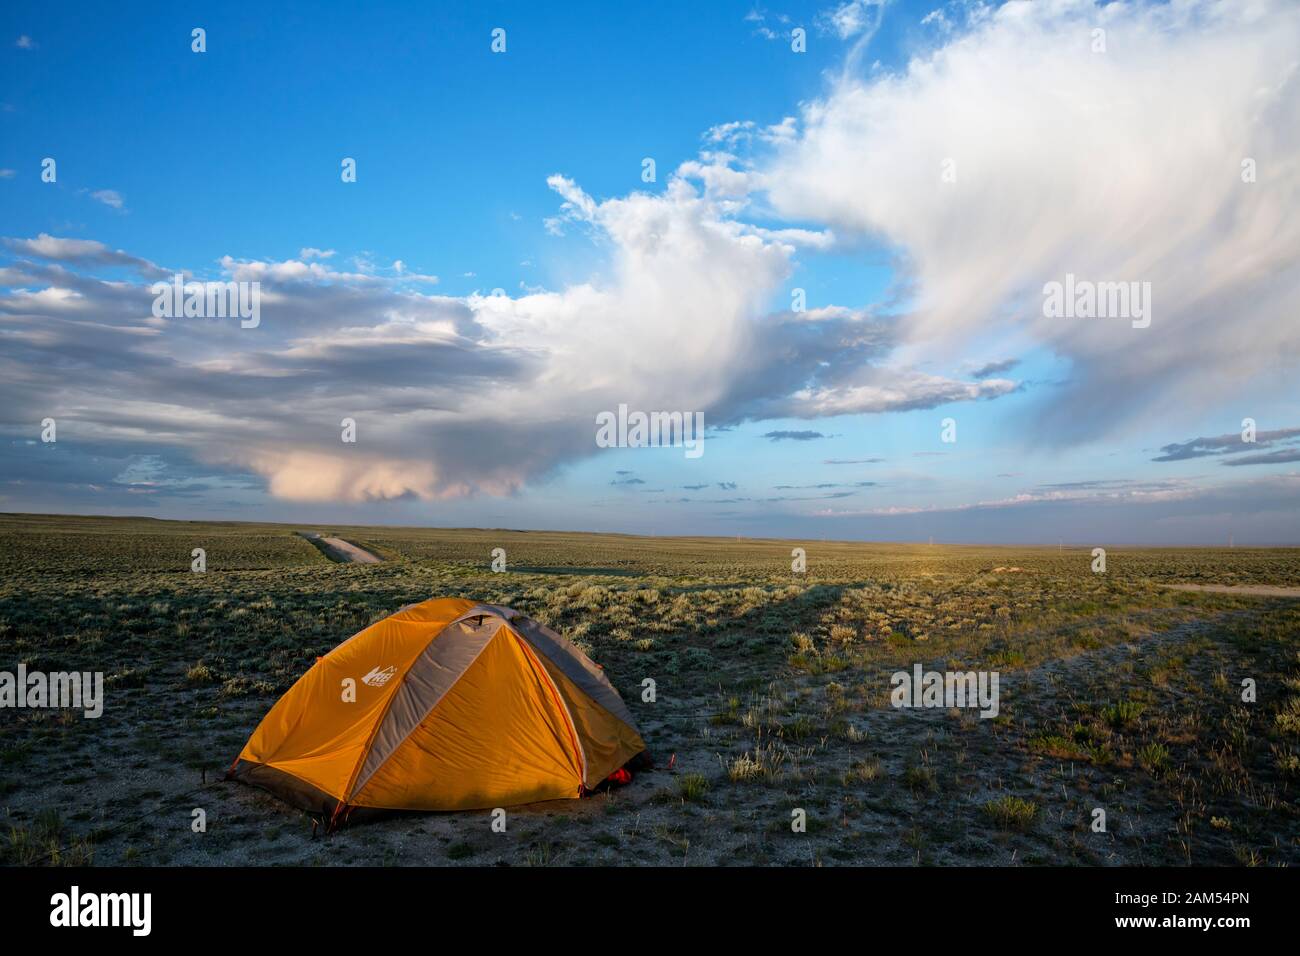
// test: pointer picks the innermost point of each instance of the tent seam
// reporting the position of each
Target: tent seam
(574, 737)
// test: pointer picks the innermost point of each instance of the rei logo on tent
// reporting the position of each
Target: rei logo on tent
(378, 678)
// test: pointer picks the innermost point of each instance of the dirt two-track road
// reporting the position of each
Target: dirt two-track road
(1251, 590)
(340, 550)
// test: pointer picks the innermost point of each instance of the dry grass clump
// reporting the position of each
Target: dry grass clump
(1011, 813)
(763, 763)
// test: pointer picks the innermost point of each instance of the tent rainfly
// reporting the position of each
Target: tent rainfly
(445, 705)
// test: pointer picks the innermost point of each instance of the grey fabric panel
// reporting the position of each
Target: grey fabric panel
(480, 610)
(434, 672)
(284, 785)
(299, 793)
(575, 665)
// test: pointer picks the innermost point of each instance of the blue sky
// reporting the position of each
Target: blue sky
(455, 144)
(521, 172)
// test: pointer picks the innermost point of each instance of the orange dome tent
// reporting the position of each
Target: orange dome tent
(445, 705)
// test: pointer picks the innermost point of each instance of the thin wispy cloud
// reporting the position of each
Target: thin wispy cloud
(789, 435)
(853, 18)
(76, 252)
(991, 369)
(1250, 452)
(109, 197)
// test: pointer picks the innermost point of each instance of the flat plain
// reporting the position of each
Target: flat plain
(1118, 693)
